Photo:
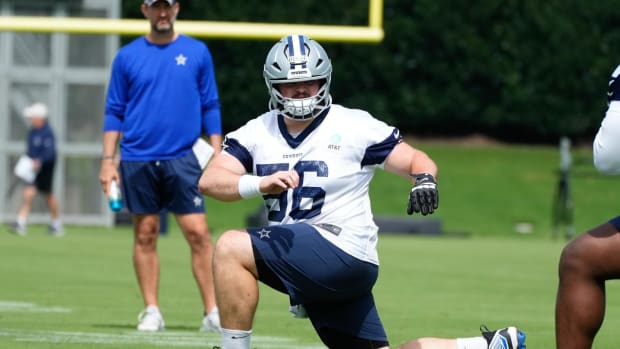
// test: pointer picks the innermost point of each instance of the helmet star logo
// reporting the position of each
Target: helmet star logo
(180, 59)
(264, 233)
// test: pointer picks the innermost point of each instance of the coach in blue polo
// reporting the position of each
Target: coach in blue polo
(162, 97)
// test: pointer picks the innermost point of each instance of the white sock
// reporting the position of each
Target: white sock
(472, 343)
(56, 223)
(152, 309)
(236, 339)
(213, 311)
(21, 221)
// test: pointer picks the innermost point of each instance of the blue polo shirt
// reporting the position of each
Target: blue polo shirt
(162, 98)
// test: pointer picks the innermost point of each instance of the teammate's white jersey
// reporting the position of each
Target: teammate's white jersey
(335, 157)
(606, 146)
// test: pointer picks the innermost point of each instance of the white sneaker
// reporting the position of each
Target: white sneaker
(150, 320)
(55, 230)
(18, 229)
(211, 322)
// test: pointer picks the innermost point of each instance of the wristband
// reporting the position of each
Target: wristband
(424, 175)
(107, 157)
(249, 186)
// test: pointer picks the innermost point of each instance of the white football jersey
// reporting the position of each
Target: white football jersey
(606, 145)
(335, 157)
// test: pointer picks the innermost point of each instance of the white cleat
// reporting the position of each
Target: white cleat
(505, 338)
(150, 320)
(18, 229)
(55, 230)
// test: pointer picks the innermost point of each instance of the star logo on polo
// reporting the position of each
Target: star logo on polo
(180, 59)
(197, 201)
(264, 233)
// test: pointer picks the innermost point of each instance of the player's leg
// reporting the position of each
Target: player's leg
(183, 198)
(145, 257)
(141, 187)
(505, 338)
(348, 323)
(52, 205)
(28, 194)
(195, 230)
(55, 227)
(236, 287)
(333, 286)
(585, 264)
(430, 342)
(44, 183)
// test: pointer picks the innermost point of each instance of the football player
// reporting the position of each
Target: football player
(592, 258)
(312, 162)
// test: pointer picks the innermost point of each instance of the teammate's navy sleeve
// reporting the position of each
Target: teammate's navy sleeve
(613, 92)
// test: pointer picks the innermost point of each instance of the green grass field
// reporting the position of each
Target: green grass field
(79, 291)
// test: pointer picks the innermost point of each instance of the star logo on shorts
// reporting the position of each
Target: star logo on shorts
(264, 233)
(180, 59)
(225, 143)
(197, 201)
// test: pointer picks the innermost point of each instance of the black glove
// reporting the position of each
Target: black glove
(424, 197)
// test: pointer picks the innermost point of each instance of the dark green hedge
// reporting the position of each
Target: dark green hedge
(521, 71)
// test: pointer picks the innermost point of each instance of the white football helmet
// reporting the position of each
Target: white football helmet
(297, 58)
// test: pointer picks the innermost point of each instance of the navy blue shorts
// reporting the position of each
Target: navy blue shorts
(616, 223)
(334, 287)
(148, 187)
(44, 179)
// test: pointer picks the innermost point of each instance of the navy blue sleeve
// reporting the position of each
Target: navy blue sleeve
(234, 148)
(613, 90)
(377, 153)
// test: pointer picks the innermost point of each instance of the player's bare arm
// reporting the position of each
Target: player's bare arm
(221, 180)
(408, 162)
(405, 160)
(221, 177)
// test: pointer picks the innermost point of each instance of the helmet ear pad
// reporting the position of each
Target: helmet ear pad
(297, 58)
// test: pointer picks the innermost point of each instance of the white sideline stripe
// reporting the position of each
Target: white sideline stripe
(165, 338)
(25, 307)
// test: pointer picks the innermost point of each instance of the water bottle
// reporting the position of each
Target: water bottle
(114, 197)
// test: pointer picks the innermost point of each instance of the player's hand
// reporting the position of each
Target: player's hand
(279, 181)
(424, 197)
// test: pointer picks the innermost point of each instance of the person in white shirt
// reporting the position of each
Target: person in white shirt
(593, 257)
(312, 162)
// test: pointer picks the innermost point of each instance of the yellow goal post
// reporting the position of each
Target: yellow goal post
(373, 33)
